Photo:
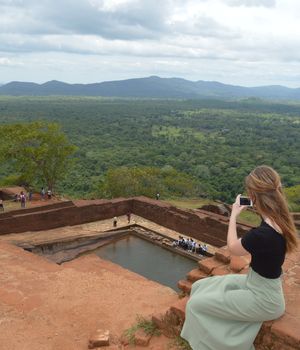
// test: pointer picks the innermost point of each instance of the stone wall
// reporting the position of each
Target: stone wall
(202, 225)
(45, 218)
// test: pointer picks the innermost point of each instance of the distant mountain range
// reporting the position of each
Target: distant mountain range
(152, 87)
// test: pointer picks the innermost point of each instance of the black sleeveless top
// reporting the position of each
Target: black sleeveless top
(267, 248)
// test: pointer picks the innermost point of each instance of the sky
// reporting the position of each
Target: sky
(240, 42)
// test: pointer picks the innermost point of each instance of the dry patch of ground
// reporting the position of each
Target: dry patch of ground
(44, 306)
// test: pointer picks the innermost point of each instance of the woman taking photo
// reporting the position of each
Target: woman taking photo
(226, 312)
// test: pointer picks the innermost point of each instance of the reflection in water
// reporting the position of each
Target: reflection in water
(147, 259)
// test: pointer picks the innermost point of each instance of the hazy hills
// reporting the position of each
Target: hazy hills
(153, 87)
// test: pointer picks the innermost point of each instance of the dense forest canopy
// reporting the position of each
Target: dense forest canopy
(216, 143)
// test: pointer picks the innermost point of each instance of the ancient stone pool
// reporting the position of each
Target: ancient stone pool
(141, 251)
(148, 260)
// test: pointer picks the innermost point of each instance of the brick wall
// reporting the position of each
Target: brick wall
(202, 225)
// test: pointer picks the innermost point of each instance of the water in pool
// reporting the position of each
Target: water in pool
(148, 259)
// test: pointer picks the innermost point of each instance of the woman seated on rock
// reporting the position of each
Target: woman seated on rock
(226, 312)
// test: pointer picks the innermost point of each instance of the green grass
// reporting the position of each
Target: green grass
(246, 217)
(142, 323)
(249, 217)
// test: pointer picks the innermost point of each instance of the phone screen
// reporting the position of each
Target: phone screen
(245, 201)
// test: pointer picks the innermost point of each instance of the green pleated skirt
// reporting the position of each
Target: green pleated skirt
(226, 312)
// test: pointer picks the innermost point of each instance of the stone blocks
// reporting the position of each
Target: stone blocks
(99, 338)
(207, 265)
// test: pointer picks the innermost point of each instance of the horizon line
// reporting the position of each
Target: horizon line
(146, 77)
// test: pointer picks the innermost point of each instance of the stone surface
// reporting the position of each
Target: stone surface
(196, 275)
(207, 265)
(223, 255)
(289, 263)
(169, 323)
(220, 209)
(178, 308)
(99, 338)
(287, 328)
(158, 319)
(185, 286)
(221, 271)
(141, 338)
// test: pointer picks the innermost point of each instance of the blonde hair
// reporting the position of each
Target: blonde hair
(264, 187)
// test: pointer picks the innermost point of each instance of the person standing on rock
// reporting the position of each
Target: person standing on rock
(115, 221)
(128, 217)
(226, 312)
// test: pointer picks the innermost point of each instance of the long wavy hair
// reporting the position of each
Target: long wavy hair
(264, 187)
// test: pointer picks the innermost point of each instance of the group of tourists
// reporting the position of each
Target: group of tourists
(22, 197)
(190, 245)
(43, 194)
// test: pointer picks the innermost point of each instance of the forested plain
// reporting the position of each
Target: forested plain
(211, 144)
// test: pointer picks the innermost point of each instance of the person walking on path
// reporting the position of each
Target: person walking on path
(226, 312)
(115, 221)
(43, 193)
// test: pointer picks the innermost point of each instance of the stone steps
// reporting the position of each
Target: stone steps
(185, 286)
(222, 263)
(195, 275)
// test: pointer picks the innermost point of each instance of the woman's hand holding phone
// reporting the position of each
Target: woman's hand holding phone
(237, 208)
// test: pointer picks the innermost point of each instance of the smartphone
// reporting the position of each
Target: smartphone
(246, 201)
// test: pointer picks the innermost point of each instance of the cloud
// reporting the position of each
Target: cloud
(198, 38)
(121, 20)
(204, 26)
(252, 3)
(8, 62)
(4, 61)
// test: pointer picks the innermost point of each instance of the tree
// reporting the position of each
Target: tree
(147, 181)
(39, 151)
(293, 196)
